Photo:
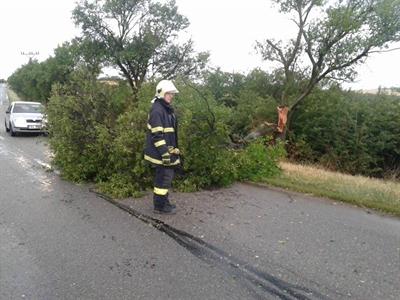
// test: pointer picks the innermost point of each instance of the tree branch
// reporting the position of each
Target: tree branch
(384, 51)
(278, 50)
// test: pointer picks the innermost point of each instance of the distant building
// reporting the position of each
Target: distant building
(385, 91)
(110, 80)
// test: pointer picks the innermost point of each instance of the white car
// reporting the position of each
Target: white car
(24, 116)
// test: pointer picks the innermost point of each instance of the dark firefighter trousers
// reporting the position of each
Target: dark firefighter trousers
(162, 183)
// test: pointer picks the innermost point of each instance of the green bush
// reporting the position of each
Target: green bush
(349, 132)
(97, 135)
(127, 173)
(82, 117)
(259, 161)
(251, 111)
(209, 160)
(204, 140)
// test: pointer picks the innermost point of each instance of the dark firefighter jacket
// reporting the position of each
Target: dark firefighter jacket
(161, 134)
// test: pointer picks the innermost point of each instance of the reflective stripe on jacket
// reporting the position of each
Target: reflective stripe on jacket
(161, 133)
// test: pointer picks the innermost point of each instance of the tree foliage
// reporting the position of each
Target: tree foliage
(349, 132)
(330, 46)
(250, 97)
(96, 135)
(140, 38)
(34, 80)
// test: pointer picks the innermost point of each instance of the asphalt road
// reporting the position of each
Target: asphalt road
(310, 247)
(61, 241)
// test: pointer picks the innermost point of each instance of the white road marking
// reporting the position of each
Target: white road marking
(46, 166)
(43, 164)
(1, 138)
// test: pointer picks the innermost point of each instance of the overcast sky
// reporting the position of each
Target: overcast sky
(226, 28)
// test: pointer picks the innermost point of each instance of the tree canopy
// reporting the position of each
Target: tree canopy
(140, 38)
(332, 38)
(34, 80)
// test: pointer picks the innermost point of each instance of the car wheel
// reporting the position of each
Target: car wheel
(13, 133)
(5, 125)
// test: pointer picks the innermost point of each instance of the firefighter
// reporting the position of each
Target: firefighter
(162, 145)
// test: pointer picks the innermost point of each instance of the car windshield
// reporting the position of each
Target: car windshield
(27, 108)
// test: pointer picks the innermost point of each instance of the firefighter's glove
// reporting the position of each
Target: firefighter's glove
(174, 151)
(166, 159)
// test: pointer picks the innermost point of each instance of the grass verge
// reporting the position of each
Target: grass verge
(12, 96)
(376, 194)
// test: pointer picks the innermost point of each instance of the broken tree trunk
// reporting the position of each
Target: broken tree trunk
(273, 129)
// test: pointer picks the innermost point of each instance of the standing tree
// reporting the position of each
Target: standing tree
(140, 38)
(333, 37)
(34, 81)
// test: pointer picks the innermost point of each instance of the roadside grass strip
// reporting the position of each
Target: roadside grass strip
(381, 195)
(12, 96)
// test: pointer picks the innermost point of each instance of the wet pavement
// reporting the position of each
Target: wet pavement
(64, 241)
(295, 245)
